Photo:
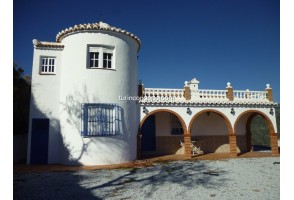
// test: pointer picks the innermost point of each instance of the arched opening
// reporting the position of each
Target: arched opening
(255, 132)
(160, 134)
(258, 139)
(210, 129)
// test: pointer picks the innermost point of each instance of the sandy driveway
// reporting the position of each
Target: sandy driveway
(243, 178)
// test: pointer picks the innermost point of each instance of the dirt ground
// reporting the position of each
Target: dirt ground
(23, 168)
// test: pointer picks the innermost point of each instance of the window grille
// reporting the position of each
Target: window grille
(100, 119)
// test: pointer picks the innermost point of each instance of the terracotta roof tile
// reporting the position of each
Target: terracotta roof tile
(94, 26)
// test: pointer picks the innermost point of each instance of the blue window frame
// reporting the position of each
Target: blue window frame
(100, 119)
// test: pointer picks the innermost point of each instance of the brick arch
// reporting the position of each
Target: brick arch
(227, 121)
(139, 136)
(272, 133)
(231, 135)
(165, 110)
(255, 112)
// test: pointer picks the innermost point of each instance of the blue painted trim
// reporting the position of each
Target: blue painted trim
(106, 123)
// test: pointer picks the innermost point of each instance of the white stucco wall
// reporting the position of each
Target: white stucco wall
(45, 99)
(162, 124)
(81, 85)
(241, 126)
(211, 124)
(59, 97)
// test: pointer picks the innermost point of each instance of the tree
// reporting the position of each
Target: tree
(260, 129)
(21, 100)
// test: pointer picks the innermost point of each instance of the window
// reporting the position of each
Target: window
(94, 59)
(176, 126)
(100, 120)
(100, 57)
(48, 65)
(107, 60)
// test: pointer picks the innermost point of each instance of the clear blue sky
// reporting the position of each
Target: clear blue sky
(215, 41)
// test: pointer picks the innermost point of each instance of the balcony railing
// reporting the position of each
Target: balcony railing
(250, 95)
(210, 94)
(164, 95)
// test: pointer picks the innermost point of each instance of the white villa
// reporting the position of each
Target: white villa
(78, 117)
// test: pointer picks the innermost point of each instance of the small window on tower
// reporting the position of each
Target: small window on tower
(94, 59)
(47, 65)
(107, 60)
(100, 57)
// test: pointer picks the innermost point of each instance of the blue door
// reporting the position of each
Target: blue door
(39, 141)
(148, 134)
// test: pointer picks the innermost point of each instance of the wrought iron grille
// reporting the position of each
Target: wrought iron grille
(100, 119)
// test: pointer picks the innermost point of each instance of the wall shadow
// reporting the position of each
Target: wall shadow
(184, 173)
(118, 183)
(49, 185)
(72, 107)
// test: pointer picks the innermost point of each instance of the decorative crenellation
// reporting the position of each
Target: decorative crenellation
(193, 84)
(94, 26)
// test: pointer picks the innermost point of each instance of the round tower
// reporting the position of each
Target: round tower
(99, 66)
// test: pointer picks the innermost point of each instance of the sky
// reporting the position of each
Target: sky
(215, 41)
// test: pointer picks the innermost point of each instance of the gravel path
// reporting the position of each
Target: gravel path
(246, 178)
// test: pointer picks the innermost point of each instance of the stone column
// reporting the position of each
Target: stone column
(274, 144)
(187, 142)
(230, 92)
(233, 145)
(269, 92)
(187, 93)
